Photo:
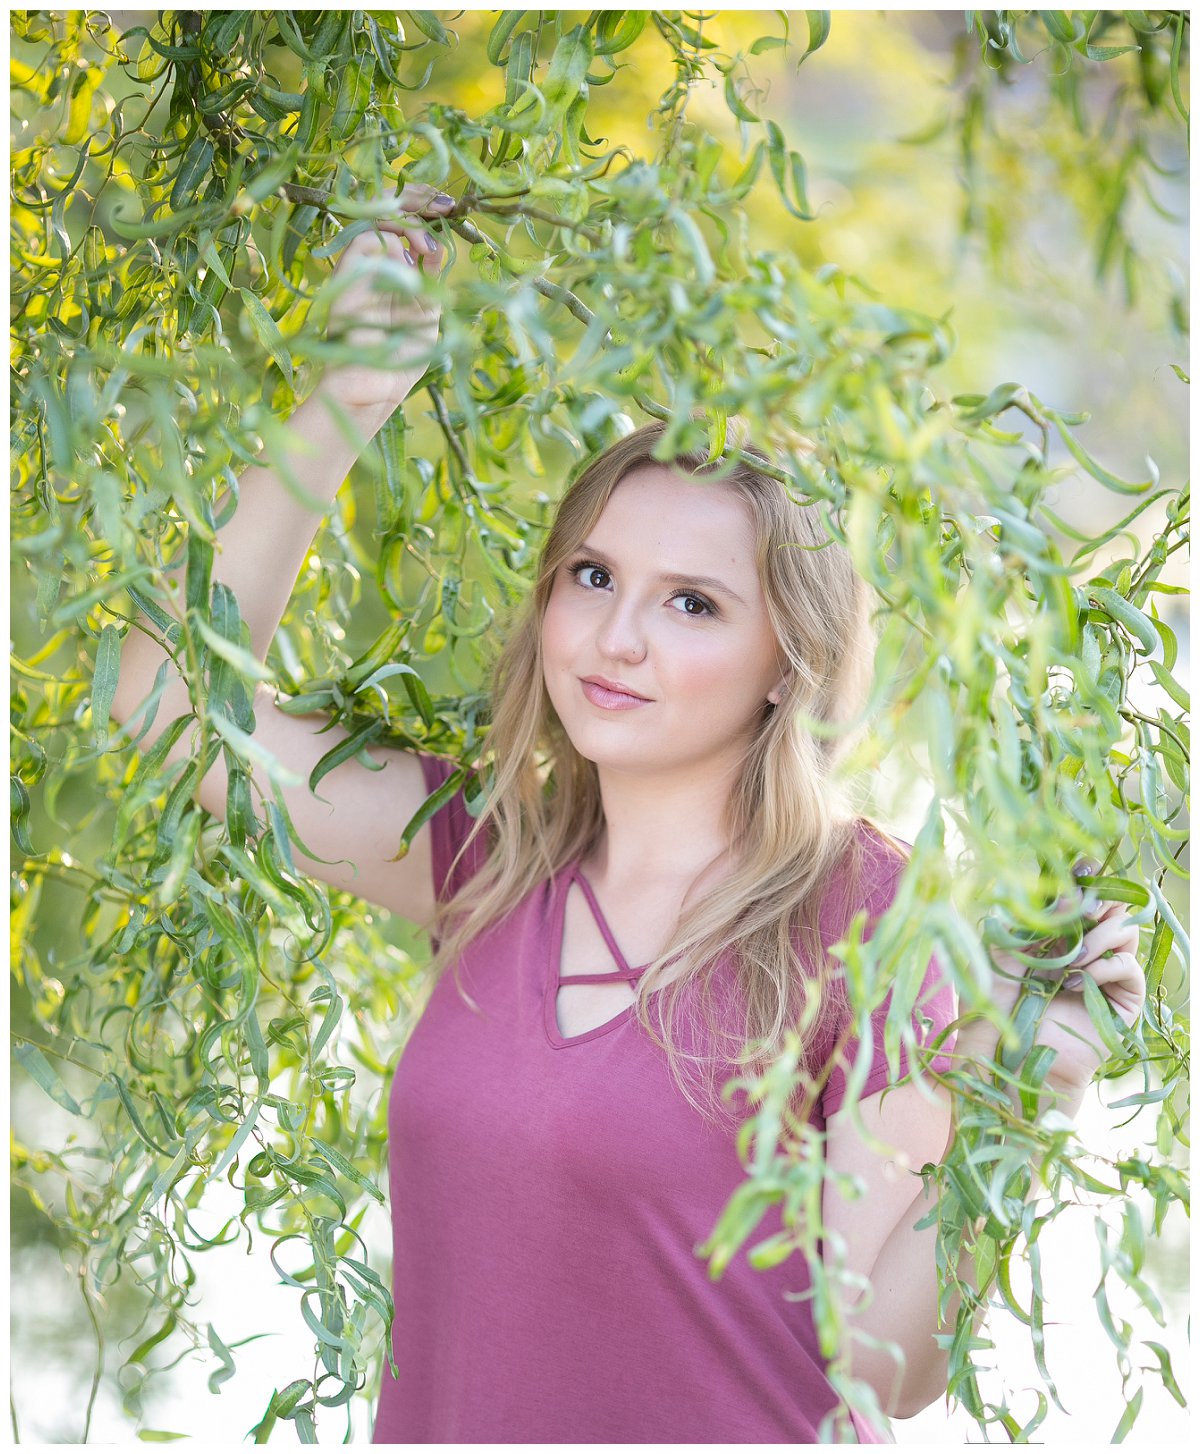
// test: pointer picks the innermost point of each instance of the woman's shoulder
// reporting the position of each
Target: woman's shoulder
(882, 856)
(866, 873)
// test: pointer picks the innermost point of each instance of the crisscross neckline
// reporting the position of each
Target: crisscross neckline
(555, 979)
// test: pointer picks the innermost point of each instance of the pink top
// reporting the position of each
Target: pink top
(547, 1193)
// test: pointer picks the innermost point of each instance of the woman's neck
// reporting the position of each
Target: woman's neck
(660, 832)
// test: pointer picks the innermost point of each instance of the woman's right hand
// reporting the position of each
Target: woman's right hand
(364, 313)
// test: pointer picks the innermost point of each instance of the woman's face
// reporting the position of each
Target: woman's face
(703, 654)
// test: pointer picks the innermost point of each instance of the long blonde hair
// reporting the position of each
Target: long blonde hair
(792, 828)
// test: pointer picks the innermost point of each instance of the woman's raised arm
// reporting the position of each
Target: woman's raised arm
(259, 555)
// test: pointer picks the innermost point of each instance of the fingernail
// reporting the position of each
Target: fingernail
(1073, 982)
(443, 199)
(409, 256)
(431, 242)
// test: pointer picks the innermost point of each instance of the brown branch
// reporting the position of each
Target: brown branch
(575, 306)
(447, 427)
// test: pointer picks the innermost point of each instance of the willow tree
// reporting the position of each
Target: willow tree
(179, 190)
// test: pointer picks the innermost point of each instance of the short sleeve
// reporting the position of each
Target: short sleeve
(935, 1006)
(450, 827)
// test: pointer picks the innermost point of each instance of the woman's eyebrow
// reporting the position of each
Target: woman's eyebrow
(675, 578)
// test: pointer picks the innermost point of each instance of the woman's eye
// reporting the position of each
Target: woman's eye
(591, 571)
(705, 608)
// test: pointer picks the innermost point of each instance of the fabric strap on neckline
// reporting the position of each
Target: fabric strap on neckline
(625, 971)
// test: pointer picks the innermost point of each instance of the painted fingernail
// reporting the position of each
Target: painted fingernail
(443, 199)
(409, 256)
(431, 242)
(1073, 982)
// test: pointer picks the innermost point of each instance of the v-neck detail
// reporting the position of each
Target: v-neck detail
(555, 979)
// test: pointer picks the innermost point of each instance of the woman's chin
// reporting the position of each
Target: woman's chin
(599, 745)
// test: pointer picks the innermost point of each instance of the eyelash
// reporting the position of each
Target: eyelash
(709, 608)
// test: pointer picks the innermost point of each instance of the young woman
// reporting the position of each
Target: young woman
(663, 859)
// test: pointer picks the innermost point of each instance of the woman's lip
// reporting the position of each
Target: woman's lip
(615, 701)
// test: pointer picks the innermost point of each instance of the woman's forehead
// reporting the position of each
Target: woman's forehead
(669, 523)
(657, 492)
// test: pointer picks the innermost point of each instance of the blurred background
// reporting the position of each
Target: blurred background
(1001, 239)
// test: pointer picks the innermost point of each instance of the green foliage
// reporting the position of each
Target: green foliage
(178, 191)
(1104, 145)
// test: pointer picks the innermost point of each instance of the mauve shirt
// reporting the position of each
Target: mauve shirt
(547, 1193)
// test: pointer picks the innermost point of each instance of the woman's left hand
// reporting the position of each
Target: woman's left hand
(1108, 955)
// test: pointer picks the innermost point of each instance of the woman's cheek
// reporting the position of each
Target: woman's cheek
(711, 670)
(556, 644)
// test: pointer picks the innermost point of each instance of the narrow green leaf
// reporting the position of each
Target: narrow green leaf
(193, 170)
(1127, 1419)
(39, 1069)
(698, 249)
(428, 808)
(244, 744)
(328, 1023)
(1178, 695)
(132, 1112)
(500, 34)
(818, 32)
(240, 1136)
(104, 680)
(349, 747)
(242, 661)
(1060, 26)
(347, 1168)
(267, 332)
(1176, 53)
(733, 99)
(18, 812)
(1102, 1014)
(1096, 470)
(428, 24)
(1166, 1373)
(139, 1353)
(1136, 622)
(227, 1369)
(618, 30)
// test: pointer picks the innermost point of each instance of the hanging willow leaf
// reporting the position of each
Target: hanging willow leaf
(1133, 620)
(267, 332)
(818, 31)
(1097, 471)
(104, 680)
(244, 744)
(37, 1066)
(193, 170)
(428, 24)
(346, 749)
(500, 35)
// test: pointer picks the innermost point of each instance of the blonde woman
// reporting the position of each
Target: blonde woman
(661, 863)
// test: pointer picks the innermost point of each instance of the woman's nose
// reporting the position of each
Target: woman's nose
(622, 633)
